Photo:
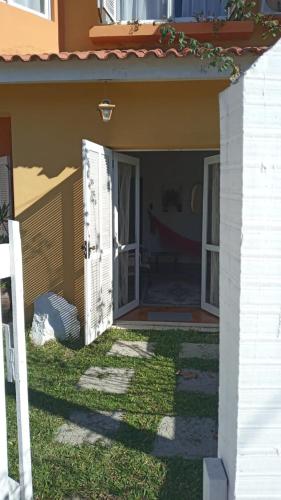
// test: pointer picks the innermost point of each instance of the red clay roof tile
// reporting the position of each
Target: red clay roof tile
(103, 55)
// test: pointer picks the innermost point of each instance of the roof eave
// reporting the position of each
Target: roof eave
(111, 68)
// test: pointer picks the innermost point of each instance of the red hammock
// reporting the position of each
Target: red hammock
(174, 239)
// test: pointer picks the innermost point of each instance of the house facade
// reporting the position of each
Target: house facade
(68, 60)
(156, 165)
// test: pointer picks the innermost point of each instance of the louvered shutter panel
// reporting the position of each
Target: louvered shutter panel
(5, 188)
(110, 7)
(97, 171)
(4, 180)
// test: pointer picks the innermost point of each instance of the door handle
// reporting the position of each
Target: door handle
(87, 249)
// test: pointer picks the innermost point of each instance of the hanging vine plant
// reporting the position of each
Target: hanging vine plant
(213, 56)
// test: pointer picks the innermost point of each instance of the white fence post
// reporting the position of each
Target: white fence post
(26, 491)
(11, 267)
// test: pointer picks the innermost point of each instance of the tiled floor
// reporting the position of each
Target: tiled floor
(198, 315)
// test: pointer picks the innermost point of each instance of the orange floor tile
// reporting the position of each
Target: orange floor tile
(198, 315)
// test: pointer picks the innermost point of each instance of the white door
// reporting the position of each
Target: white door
(126, 233)
(211, 236)
(98, 235)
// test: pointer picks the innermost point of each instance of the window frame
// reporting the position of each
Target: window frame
(45, 15)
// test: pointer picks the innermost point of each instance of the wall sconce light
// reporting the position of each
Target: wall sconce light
(106, 109)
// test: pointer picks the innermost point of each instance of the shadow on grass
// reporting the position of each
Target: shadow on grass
(128, 435)
(183, 477)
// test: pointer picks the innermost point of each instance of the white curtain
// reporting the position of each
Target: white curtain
(38, 5)
(142, 9)
(209, 8)
(215, 234)
(124, 179)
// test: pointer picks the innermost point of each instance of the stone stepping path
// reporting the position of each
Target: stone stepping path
(200, 351)
(197, 381)
(109, 380)
(186, 437)
(89, 427)
(132, 349)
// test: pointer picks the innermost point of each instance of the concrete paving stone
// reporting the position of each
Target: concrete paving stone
(197, 381)
(132, 349)
(186, 437)
(109, 380)
(202, 351)
(89, 427)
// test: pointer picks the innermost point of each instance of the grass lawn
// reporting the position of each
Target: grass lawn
(125, 470)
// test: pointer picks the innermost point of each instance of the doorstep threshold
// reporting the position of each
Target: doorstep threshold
(165, 325)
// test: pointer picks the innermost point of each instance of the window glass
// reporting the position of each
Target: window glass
(274, 5)
(131, 10)
(213, 222)
(37, 5)
(126, 204)
(205, 8)
(127, 278)
(212, 279)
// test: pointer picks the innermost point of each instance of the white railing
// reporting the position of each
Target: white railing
(11, 266)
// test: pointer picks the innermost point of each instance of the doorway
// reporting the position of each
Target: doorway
(151, 224)
(172, 225)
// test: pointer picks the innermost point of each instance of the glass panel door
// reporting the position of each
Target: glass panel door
(211, 236)
(126, 234)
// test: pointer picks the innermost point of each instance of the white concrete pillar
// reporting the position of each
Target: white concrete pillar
(214, 480)
(250, 282)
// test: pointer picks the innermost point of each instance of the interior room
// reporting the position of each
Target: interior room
(171, 201)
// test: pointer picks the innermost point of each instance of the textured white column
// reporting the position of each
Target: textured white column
(250, 282)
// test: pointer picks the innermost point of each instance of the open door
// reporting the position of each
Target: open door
(211, 236)
(98, 235)
(126, 233)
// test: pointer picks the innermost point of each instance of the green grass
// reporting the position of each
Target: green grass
(126, 470)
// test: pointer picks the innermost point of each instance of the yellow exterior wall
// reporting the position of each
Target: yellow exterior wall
(68, 29)
(77, 18)
(48, 125)
(27, 33)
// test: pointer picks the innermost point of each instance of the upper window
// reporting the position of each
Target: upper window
(142, 10)
(151, 10)
(41, 7)
(271, 6)
(197, 9)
